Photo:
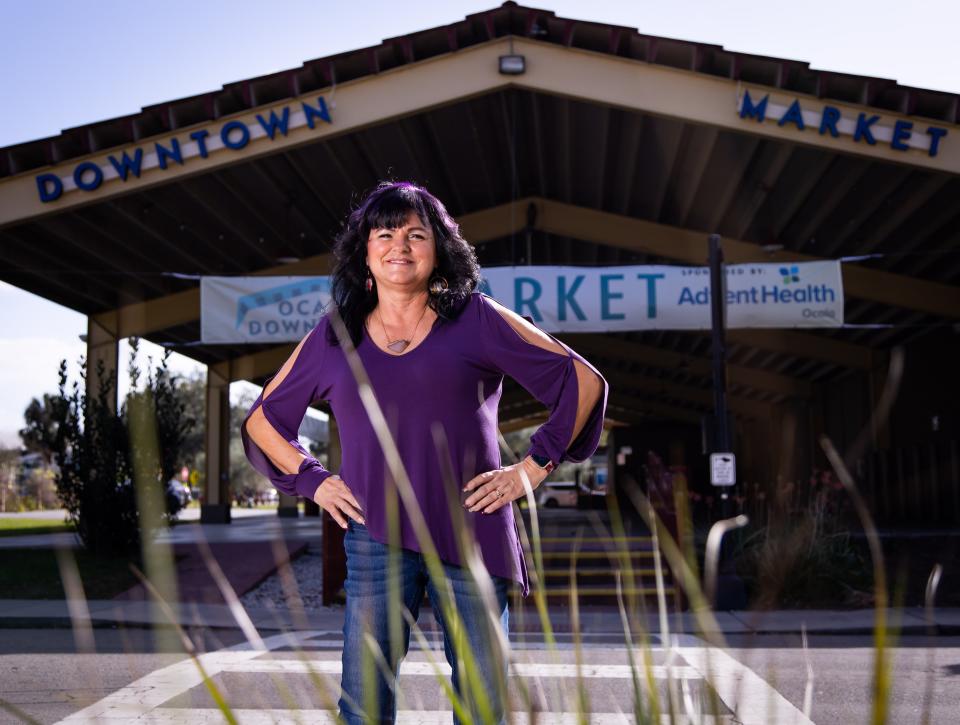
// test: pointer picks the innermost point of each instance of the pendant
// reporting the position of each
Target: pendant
(398, 345)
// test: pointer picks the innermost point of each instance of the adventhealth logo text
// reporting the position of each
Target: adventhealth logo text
(764, 295)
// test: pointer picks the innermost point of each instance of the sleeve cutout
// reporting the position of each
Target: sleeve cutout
(528, 332)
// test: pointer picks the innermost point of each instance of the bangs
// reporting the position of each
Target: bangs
(390, 208)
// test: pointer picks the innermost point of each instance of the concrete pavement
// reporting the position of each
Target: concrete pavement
(597, 621)
(49, 687)
(244, 551)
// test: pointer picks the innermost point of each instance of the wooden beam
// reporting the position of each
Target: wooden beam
(254, 365)
(181, 308)
(805, 344)
(653, 408)
(743, 407)
(614, 230)
(685, 245)
(565, 72)
(615, 348)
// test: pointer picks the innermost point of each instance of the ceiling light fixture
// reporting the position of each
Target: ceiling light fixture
(513, 65)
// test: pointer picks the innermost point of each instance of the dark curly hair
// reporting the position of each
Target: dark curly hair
(387, 207)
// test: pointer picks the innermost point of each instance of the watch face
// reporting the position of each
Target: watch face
(542, 461)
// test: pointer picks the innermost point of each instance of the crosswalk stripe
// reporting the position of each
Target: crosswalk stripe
(518, 669)
(199, 716)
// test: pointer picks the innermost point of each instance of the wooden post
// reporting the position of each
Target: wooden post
(334, 557)
(102, 351)
(216, 486)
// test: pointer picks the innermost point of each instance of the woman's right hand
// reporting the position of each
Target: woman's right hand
(335, 498)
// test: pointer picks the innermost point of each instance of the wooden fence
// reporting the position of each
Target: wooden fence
(917, 485)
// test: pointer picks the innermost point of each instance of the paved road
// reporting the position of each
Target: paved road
(247, 525)
(41, 674)
(250, 525)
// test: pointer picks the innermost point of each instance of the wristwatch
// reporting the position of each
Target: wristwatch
(545, 463)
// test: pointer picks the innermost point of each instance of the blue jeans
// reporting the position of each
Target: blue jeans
(369, 608)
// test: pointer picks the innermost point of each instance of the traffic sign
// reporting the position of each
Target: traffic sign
(723, 469)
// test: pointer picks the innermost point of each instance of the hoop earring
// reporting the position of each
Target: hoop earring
(368, 283)
(438, 286)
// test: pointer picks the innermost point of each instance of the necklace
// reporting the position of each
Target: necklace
(400, 344)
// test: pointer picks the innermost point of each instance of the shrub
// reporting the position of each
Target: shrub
(804, 555)
(92, 449)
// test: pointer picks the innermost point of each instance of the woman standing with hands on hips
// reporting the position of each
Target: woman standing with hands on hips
(435, 351)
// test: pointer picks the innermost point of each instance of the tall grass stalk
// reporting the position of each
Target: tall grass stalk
(703, 616)
(583, 699)
(456, 702)
(633, 618)
(881, 667)
(643, 714)
(79, 612)
(673, 704)
(808, 685)
(239, 614)
(76, 601)
(933, 582)
(187, 644)
(148, 488)
(18, 713)
(881, 664)
(288, 583)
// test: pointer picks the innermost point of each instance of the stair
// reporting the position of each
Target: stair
(598, 560)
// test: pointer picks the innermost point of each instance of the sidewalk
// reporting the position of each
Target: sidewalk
(595, 622)
(245, 552)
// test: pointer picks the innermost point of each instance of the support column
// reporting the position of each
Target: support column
(102, 352)
(334, 557)
(311, 508)
(287, 507)
(216, 486)
(877, 380)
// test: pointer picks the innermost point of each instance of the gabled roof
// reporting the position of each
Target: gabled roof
(508, 19)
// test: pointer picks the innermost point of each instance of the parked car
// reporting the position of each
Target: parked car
(557, 494)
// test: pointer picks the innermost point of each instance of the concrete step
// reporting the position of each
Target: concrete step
(590, 595)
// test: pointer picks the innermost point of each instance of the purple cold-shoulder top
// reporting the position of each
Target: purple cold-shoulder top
(454, 377)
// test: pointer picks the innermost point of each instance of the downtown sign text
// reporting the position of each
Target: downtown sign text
(232, 135)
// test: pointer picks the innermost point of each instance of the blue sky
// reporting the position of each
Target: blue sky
(68, 63)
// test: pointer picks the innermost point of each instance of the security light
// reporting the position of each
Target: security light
(513, 65)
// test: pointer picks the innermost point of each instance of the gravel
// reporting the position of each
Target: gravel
(308, 573)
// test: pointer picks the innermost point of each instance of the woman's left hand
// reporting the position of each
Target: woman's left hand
(494, 489)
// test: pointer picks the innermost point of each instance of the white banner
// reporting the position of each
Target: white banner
(661, 297)
(559, 299)
(261, 309)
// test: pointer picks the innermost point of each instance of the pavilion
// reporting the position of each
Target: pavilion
(590, 145)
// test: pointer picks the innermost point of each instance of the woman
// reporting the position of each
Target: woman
(435, 351)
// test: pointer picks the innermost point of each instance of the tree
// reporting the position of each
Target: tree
(103, 469)
(94, 480)
(40, 433)
(192, 393)
(163, 399)
(9, 465)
